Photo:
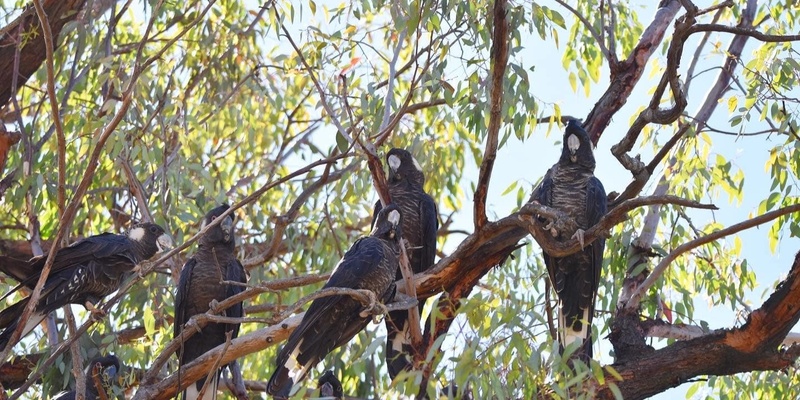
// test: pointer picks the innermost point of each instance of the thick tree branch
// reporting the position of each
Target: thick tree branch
(250, 343)
(752, 347)
(499, 63)
(624, 79)
(33, 50)
(529, 213)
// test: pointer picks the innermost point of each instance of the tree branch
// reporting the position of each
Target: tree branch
(32, 51)
(499, 63)
(47, 35)
(75, 351)
(644, 242)
(752, 347)
(69, 214)
(633, 301)
(610, 57)
(530, 212)
(630, 70)
(149, 268)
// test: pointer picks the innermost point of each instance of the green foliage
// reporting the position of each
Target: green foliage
(225, 105)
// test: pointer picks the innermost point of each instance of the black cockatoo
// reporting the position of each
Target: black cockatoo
(329, 386)
(570, 186)
(200, 284)
(420, 224)
(331, 321)
(84, 273)
(108, 369)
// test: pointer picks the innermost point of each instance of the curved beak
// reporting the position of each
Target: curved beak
(573, 144)
(227, 227)
(164, 242)
(326, 390)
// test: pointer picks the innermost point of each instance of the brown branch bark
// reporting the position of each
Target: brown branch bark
(75, 352)
(47, 36)
(752, 347)
(499, 63)
(252, 342)
(628, 72)
(642, 245)
(15, 372)
(97, 371)
(33, 51)
(527, 217)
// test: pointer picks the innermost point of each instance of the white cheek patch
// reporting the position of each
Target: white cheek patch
(416, 164)
(136, 234)
(394, 162)
(394, 217)
(573, 143)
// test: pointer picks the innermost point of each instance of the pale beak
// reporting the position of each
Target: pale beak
(227, 227)
(573, 144)
(164, 242)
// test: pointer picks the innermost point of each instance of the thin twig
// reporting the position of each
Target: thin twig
(322, 96)
(387, 110)
(136, 189)
(47, 35)
(597, 38)
(633, 302)
(214, 368)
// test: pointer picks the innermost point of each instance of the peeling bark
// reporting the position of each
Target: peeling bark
(752, 347)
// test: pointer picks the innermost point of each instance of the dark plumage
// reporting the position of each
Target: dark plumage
(570, 186)
(200, 284)
(109, 368)
(331, 321)
(84, 273)
(420, 224)
(329, 386)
